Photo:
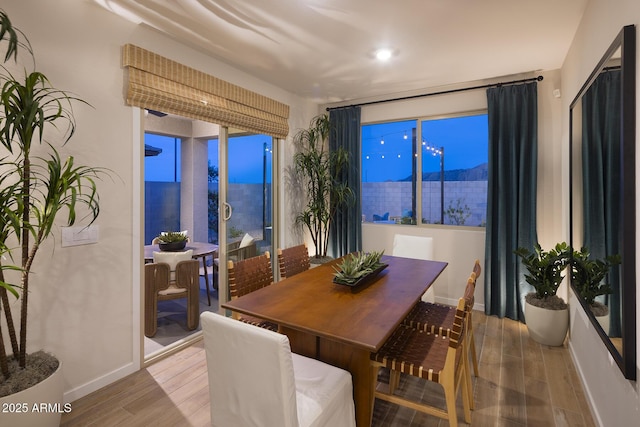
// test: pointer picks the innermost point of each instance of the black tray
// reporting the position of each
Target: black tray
(363, 281)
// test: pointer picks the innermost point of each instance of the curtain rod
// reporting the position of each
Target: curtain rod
(539, 78)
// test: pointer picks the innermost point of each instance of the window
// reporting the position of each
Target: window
(161, 184)
(161, 158)
(388, 172)
(452, 188)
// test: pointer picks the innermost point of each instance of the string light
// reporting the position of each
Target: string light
(404, 134)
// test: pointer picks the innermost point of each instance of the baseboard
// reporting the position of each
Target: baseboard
(594, 414)
(88, 388)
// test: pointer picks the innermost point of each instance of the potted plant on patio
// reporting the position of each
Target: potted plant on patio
(36, 187)
(546, 314)
(172, 240)
(588, 279)
(318, 170)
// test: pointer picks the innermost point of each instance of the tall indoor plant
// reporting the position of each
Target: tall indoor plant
(37, 185)
(546, 314)
(319, 169)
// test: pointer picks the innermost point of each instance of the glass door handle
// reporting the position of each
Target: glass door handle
(228, 211)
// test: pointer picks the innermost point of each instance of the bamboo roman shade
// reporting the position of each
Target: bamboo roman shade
(157, 83)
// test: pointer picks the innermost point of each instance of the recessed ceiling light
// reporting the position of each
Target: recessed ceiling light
(383, 54)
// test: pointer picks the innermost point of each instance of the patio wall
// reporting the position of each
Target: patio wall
(395, 198)
(162, 208)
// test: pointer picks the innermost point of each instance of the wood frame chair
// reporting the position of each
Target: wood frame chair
(293, 260)
(438, 318)
(246, 276)
(432, 357)
(158, 286)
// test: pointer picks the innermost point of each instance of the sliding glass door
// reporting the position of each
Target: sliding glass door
(246, 199)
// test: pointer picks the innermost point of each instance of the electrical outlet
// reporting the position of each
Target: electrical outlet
(82, 235)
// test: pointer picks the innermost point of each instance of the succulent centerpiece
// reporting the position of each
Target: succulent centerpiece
(357, 266)
(172, 240)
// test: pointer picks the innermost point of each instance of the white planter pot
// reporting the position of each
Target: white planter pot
(604, 323)
(548, 327)
(37, 406)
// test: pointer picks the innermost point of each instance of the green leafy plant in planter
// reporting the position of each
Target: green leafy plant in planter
(588, 278)
(318, 171)
(357, 265)
(545, 270)
(547, 315)
(34, 190)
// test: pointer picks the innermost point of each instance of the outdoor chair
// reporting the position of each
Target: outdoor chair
(172, 275)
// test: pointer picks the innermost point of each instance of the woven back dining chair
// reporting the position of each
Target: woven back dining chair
(432, 357)
(247, 276)
(293, 260)
(438, 318)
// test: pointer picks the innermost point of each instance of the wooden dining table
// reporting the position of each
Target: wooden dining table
(340, 325)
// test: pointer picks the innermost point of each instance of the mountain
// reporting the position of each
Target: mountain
(477, 173)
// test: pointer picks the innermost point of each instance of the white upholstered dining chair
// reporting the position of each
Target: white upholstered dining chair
(416, 247)
(255, 380)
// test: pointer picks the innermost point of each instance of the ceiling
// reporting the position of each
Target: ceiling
(324, 49)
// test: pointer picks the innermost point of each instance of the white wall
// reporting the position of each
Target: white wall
(614, 400)
(84, 304)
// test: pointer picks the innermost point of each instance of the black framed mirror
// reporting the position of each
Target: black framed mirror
(602, 191)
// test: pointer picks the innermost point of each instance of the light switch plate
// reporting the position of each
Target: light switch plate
(80, 235)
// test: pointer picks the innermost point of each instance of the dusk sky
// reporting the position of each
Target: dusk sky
(246, 157)
(464, 140)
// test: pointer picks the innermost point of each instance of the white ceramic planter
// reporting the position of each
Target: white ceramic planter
(37, 406)
(604, 323)
(548, 327)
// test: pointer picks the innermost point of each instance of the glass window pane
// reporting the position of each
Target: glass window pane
(454, 153)
(162, 185)
(388, 172)
(162, 158)
(249, 188)
(213, 166)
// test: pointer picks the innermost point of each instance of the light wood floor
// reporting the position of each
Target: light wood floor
(521, 383)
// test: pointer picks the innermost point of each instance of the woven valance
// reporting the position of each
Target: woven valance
(157, 83)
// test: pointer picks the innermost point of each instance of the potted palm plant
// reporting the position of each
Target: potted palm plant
(546, 314)
(318, 170)
(37, 185)
(588, 279)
